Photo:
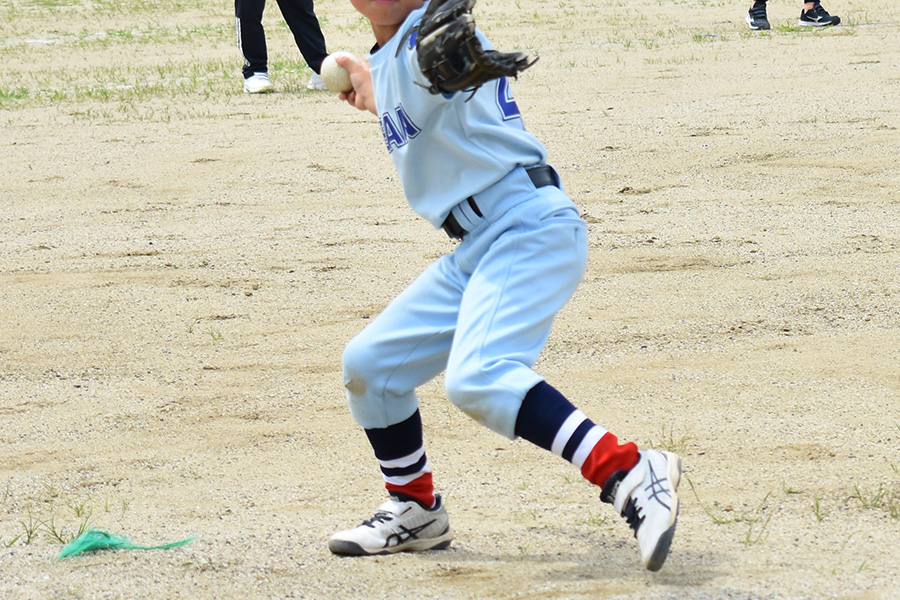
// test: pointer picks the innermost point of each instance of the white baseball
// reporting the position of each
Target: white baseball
(335, 76)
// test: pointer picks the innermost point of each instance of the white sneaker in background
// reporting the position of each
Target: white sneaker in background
(258, 83)
(316, 83)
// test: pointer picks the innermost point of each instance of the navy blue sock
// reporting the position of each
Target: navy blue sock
(400, 451)
(547, 419)
(396, 441)
(543, 412)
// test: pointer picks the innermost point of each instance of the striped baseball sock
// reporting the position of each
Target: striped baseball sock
(401, 455)
(547, 419)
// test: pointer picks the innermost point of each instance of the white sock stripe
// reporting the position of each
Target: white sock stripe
(406, 478)
(566, 430)
(403, 461)
(587, 444)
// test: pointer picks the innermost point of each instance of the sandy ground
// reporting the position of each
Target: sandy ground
(181, 265)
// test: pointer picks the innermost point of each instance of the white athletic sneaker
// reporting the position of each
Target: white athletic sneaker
(647, 497)
(397, 526)
(316, 82)
(258, 83)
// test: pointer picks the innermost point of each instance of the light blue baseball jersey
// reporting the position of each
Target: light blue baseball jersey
(445, 147)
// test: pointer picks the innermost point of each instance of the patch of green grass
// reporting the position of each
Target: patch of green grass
(845, 28)
(53, 3)
(32, 526)
(596, 520)
(567, 479)
(12, 94)
(53, 513)
(126, 504)
(670, 441)
(127, 65)
(50, 491)
(818, 510)
(757, 531)
(757, 519)
(82, 509)
(59, 533)
(886, 497)
(789, 490)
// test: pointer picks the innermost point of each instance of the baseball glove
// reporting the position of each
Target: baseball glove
(450, 55)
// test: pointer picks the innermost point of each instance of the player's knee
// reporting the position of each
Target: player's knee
(355, 366)
(462, 389)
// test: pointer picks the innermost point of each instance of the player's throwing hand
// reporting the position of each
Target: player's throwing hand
(361, 95)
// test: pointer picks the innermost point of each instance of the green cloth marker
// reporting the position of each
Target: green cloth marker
(95, 539)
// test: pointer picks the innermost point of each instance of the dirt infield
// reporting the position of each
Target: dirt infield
(181, 265)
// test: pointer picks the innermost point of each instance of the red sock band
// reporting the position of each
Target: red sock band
(607, 457)
(421, 488)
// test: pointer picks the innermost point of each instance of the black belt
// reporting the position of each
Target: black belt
(541, 176)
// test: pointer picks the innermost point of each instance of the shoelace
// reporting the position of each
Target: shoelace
(632, 516)
(380, 517)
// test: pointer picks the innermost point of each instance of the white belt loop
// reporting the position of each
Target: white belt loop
(466, 216)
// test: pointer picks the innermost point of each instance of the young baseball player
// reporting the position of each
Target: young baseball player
(483, 313)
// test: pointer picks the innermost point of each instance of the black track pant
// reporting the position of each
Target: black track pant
(251, 37)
